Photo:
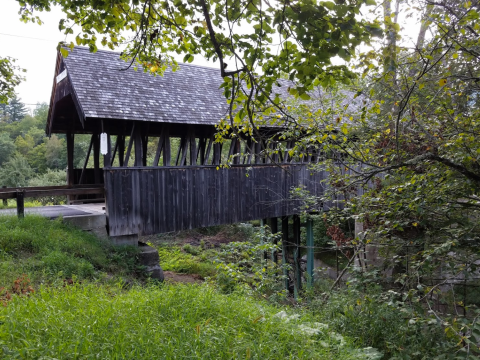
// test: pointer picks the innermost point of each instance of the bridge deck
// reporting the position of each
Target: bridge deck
(56, 211)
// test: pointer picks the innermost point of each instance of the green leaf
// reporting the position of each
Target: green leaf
(329, 5)
(188, 58)
(64, 52)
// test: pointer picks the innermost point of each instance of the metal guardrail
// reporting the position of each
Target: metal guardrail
(27, 192)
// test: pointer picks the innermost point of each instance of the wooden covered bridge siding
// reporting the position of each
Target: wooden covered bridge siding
(149, 200)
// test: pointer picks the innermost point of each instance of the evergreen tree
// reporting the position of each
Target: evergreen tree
(16, 110)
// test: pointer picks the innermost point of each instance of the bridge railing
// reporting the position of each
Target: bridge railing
(149, 200)
(40, 191)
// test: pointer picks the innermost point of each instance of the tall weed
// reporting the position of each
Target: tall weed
(382, 321)
(170, 322)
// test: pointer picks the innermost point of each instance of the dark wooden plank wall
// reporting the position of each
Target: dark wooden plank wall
(149, 200)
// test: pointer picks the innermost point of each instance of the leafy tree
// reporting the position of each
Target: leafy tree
(255, 42)
(28, 122)
(7, 147)
(24, 144)
(41, 113)
(37, 158)
(9, 78)
(412, 146)
(37, 135)
(15, 172)
(56, 153)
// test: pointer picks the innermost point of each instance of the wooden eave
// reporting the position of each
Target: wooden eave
(62, 99)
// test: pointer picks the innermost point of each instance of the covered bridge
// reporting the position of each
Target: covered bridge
(159, 171)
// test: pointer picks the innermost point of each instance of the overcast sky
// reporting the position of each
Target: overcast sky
(34, 47)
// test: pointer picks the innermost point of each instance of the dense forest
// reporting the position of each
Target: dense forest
(27, 156)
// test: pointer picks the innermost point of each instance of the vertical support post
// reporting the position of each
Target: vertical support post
(249, 145)
(296, 255)
(286, 156)
(465, 294)
(275, 155)
(70, 146)
(209, 147)
(285, 250)
(362, 260)
(268, 154)
(121, 149)
(20, 204)
(258, 151)
(144, 149)
(96, 157)
(310, 253)
(235, 150)
(193, 146)
(263, 223)
(137, 136)
(161, 141)
(70, 172)
(82, 175)
(183, 151)
(217, 153)
(166, 146)
(114, 152)
(202, 142)
(274, 228)
(5, 201)
(129, 147)
(144, 137)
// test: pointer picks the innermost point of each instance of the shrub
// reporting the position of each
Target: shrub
(189, 249)
(241, 264)
(50, 178)
(381, 321)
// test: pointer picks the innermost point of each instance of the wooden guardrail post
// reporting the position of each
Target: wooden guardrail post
(20, 204)
(5, 201)
(310, 250)
(274, 229)
(296, 257)
(285, 251)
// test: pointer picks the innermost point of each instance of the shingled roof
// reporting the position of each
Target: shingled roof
(106, 90)
(101, 87)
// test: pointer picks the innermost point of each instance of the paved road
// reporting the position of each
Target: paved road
(51, 212)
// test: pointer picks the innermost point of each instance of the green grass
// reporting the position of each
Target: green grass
(167, 322)
(173, 258)
(45, 250)
(12, 204)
